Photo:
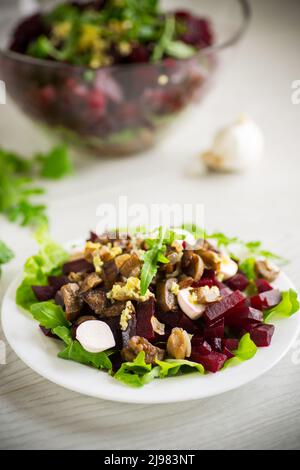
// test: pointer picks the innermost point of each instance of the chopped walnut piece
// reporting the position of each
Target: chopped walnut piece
(157, 326)
(206, 295)
(266, 270)
(137, 344)
(179, 344)
(120, 259)
(185, 281)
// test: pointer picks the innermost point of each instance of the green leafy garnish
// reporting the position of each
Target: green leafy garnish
(49, 314)
(165, 40)
(153, 256)
(135, 373)
(248, 268)
(286, 308)
(245, 351)
(5, 254)
(172, 367)
(17, 191)
(180, 50)
(64, 333)
(48, 261)
(75, 352)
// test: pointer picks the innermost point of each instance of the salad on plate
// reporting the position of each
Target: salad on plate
(150, 305)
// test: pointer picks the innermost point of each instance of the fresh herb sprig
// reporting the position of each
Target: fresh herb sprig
(17, 188)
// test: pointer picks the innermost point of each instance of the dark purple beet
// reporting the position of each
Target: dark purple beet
(78, 266)
(144, 313)
(43, 293)
(187, 324)
(266, 299)
(59, 299)
(238, 282)
(211, 362)
(216, 330)
(227, 353)
(262, 285)
(200, 346)
(93, 237)
(58, 281)
(130, 330)
(230, 343)
(216, 311)
(114, 324)
(241, 313)
(262, 335)
(216, 344)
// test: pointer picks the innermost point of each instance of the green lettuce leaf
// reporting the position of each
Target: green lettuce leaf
(5, 254)
(248, 268)
(172, 367)
(63, 333)
(55, 164)
(135, 373)
(48, 314)
(75, 352)
(286, 308)
(48, 261)
(245, 351)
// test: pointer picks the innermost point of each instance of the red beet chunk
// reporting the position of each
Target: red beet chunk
(262, 335)
(238, 282)
(241, 313)
(266, 299)
(216, 344)
(211, 362)
(187, 324)
(262, 285)
(204, 282)
(177, 319)
(43, 293)
(200, 346)
(144, 313)
(227, 352)
(58, 281)
(216, 311)
(216, 330)
(114, 324)
(78, 266)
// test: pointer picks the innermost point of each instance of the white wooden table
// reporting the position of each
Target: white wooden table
(263, 203)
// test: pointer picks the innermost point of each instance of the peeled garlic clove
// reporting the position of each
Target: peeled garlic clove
(95, 336)
(236, 147)
(228, 268)
(191, 309)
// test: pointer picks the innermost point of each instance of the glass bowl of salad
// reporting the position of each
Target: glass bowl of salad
(111, 74)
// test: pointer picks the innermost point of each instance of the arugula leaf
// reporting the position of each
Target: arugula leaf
(75, 352)
(248, 268)
(135, 373)
(166, 37)
(151, 257)
(172, 367)
(49, 314)
(5, 254)
(222, 239)
(63, 333)
(37, 268)
(286, 308)
(55, 164)
(245, 351)
(180, 50)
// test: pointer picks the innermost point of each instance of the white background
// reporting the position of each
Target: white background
(263, 204)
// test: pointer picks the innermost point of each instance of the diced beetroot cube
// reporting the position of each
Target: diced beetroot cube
(262, 335)
(177, 319)
(144, 313)
(216, 330)
(243, 312)
(227, 353)
(114, 324)
(262, 285)
(219, 309)
(43, 293)
(200, 346)
(238, 282)
(130, 330)
(211, 362)
(230, 343)
(216, 344)
(266, 299)
(78, 265)
(58, 281)
(187, 324)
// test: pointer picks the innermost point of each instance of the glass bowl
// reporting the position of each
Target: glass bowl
(120, 109)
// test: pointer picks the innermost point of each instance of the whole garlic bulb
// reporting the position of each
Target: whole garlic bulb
(236, 147)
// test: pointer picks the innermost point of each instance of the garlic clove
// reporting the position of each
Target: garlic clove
(191, 309)
(236, 147)
(95, 336)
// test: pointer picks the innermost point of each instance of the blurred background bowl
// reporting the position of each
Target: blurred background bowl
(120, 109)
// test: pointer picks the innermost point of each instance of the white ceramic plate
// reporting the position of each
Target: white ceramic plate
(40, 353)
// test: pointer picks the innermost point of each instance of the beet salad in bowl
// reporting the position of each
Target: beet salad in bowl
(109, 74)
(148, 306)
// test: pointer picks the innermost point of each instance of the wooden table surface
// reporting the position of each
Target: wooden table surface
(263, 204)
